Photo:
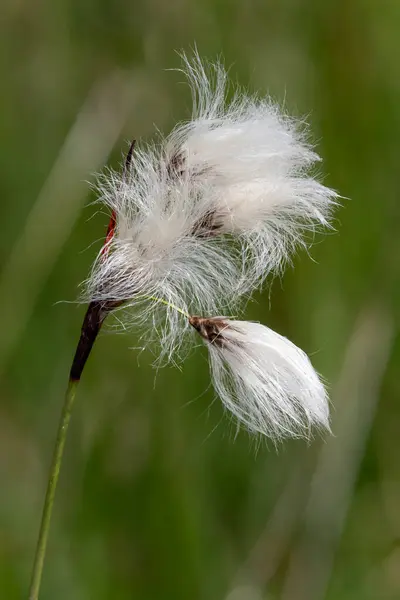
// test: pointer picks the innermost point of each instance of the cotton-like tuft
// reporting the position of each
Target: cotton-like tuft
(206, 214)
(258, 167)
(266, 381)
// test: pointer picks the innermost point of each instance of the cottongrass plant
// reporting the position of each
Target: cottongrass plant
(198, 220)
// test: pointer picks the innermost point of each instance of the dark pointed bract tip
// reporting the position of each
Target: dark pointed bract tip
(128, 159)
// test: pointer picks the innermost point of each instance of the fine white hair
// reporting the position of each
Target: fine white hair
(204, 215)
(266, 381)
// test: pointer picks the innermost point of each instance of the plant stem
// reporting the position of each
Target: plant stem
(51, 489)
(95, 315)
(94, 318)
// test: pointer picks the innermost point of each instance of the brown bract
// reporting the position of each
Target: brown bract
(210, 329)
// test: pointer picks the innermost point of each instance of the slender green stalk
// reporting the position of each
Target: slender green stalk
(51, 489)
(95, 315)
(185, 314)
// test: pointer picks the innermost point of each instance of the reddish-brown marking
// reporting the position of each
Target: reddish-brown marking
(110, 233)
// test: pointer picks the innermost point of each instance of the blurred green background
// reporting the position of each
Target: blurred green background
(157, 500)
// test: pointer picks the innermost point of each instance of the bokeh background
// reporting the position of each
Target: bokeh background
(157, 499)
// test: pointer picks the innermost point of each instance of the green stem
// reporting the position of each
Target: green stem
(51, 489)
(95, 315)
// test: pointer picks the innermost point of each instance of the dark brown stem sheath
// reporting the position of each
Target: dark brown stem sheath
(94, 318)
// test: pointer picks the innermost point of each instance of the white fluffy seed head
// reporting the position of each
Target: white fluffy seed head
(257, 163)
(266, 381)
(207, 213)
